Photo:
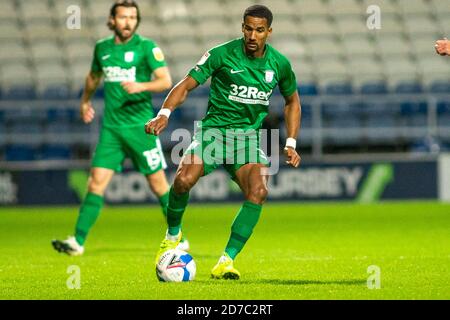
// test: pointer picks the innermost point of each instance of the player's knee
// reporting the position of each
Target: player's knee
(96, 185)
(183, 183)
(258, 194)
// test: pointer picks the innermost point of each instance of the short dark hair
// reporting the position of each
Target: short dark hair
(259, 11)
(123, 3)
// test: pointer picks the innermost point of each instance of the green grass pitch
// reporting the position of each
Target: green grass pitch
(297, 251)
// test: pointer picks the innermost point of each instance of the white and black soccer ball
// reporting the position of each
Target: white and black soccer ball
(175, 266)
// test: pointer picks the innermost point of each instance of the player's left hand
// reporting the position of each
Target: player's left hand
(293, 158)
(442, 47)
(132, 87)
(156, 125)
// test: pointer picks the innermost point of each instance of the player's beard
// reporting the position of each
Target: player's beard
(124, 36)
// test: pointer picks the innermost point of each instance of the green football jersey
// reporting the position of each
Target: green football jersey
(241, 86)
(133, 61)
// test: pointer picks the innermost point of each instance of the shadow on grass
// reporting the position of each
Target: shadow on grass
(290, 282)
(347, 282)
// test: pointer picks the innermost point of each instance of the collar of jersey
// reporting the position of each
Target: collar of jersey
(132, 41)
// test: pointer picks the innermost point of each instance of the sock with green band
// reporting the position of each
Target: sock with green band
(242, 227)
(164, 202)
(89, 211)
(175, 210)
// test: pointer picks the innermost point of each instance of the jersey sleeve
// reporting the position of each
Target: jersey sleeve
(288, 82)
(95, 65)
(155, 56)
(206, 66)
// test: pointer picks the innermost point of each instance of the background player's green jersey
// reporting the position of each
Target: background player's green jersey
(240, 85)
(133, 61)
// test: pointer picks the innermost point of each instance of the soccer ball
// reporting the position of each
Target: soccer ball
(175, 266)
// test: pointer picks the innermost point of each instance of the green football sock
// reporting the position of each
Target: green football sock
(89, 212)
(242, 227)
(164, 202)
(175, 210)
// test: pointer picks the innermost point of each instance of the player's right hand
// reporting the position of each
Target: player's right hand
(156, 125)
(87, 112)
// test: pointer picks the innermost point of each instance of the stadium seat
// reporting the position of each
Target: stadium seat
(387, 7)
(209, 29)
(10, 30)
(308, 89)
(440, 86)
(317, 27)
(56, 91)
(13, 50)
(46, 51)
(408, 87)
(208, 10)
(61, 115)
(412, 8)
(339, 88)
(310, 8)
(285, 27)
(421, 24)
(291, 47)
(376, 87)
(55, 152)
(391, 45)
(20, 153)
(357, 45)
(31, 11)
(346, 8)
(325, 46)
(20, 92)
(443, 108)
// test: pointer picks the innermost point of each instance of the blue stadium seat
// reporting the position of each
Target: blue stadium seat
(440, 87)
(20, 153)
(24, 115)
(443, 108)
(55, 152)
(374, 88)
(371, 107)
(339, 88)
(307, 89)
(410, 107)
(61, 115)
(344, 121)
(408, 87)
(56, 92)
(99, 93)
(20, 92)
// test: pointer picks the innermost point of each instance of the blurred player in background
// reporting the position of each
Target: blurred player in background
(127, 62)
(443, 47)
(244, 73)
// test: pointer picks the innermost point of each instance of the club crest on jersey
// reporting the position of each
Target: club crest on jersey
(129, 56)
(269, 76)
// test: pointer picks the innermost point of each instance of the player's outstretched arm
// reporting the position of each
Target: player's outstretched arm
(175, 97)
(161, 81)
(87, 112)
(442, 47)
(292, 116)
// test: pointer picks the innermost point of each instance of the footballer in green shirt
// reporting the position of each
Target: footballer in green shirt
(244, 72)
(126, 61)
